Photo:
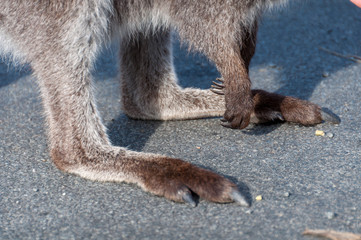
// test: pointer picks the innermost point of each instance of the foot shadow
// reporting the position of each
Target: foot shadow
(11, 72)
(130, 133)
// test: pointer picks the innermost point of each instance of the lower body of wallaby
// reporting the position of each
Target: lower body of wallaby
(60, 40)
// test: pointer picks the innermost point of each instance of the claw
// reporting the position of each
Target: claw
(278, 115)
(223, 120)
(188, 199)
(216, 91)
(329, 116)
(217, 85)
(220, 80)
(239, 198)
(226, 124)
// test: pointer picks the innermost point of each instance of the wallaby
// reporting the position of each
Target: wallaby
(61, 38)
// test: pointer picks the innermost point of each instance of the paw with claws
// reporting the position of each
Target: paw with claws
(238, 111)
(181, 181)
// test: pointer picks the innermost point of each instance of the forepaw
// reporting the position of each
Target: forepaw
(238, 106)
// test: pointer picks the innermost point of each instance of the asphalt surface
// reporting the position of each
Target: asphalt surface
(306, 181)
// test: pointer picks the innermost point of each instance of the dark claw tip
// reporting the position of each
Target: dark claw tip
(216, 91)
(220, 80)
(188, 199)
(239, 198)
(216, 87)
(219, 85)
(280, 117)
(328, 116)
(226, 124)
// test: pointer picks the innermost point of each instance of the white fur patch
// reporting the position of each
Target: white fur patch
(8, 49)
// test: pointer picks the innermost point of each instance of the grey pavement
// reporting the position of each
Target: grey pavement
(306, 181)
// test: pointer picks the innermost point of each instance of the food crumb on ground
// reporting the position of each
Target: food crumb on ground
(319, 133)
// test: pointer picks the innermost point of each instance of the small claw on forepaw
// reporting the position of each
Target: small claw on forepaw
(226, 124)
(217, 85)
(239, 198)
(188, 199)
(329, 116)
(220, 80)
(217, 91)
(223, 119)
(279, 116)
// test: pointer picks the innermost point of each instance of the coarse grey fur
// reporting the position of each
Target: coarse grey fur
(61, 38)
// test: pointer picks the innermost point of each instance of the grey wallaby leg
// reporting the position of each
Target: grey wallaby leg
(61, 47)
(149, 83)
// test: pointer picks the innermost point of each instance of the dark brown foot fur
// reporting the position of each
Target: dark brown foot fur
(178, 180)
(271, 107)
(238, 114)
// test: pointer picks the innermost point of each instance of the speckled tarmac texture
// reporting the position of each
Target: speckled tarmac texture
(306, 181)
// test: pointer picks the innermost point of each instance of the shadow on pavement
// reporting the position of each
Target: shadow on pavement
(10, 73)
(130, 133)
(296, 50)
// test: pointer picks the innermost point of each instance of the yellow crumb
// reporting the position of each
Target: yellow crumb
(319, 133)
(259, 198)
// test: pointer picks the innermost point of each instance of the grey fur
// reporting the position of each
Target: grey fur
(61, 38)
